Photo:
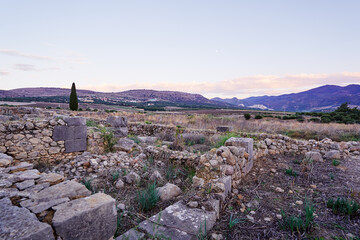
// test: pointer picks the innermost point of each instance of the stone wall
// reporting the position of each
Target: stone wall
(31, 139)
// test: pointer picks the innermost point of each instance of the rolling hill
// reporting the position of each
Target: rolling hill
(324, 98)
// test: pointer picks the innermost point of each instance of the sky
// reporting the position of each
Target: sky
(214, 48)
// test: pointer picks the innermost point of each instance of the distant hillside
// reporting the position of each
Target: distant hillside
(324, 98)
(128, 98)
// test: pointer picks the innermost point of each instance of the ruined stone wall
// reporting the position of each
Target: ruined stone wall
(31, 138)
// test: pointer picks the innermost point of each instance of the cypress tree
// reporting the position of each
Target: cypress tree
(73, 98)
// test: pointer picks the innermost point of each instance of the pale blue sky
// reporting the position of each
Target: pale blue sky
(216, 48)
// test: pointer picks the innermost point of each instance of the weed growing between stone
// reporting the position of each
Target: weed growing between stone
(109, 139)
(148, 198)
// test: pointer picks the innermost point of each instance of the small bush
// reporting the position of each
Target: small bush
(335, 162)
(301, 223)
(343, 206)
(258, 117)
(291, 172)
(148, 122)
(91, 123)
(247, 116)
(233, 221)
(109, 140)
(148, 198)
(224, 138)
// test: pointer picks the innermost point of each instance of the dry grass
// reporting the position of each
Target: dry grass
(292, 128)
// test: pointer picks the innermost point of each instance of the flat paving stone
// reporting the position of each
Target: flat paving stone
(179, 222)
(20, 224)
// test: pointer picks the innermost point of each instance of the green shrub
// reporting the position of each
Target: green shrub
(335, 162)
(301, 223)
(233, 221)
(91, 123)
(258, 117)
(224, 138)
(291, 172)
(148, 122)
(247, 116)
(134, 138)
(343, 206)
(148, 198)
(109, 139)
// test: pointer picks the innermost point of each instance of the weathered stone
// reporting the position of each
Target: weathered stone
(132, 234)
(178, 222)
(51, 178)
(155, 176)
(26, 175)
(21, 156)
(20, 224)
(76, 132)
(119, 184)
(132, 178)
(116, 121)
(333, 154)
(21, 167)
(198, 182)
(125, 145)
(70, 189)
(5, 160)
(247, 143)
(193, 204)
(37, 207)
(76, 145)
(59, 133)
(54, 150)
(226, 153)
(75, 121)
(87, 218)
(315, 156)
(169, 192)
(148, 140)
(5, 183)
(25, 184)
(224, 128)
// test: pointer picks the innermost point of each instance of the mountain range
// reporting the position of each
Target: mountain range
(324, 98)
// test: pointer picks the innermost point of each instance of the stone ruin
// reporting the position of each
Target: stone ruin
(54, 205)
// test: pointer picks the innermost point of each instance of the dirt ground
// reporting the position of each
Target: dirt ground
(315, 184)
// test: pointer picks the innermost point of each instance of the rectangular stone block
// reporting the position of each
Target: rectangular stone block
(116, 121)
(75, 121)
(59, 133)
(75, 145)
(89, 218)
(76, 132)
(247, 143)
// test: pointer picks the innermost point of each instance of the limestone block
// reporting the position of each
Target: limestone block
(76, 145)
(75, 121)
(87, 218)
(20, 224)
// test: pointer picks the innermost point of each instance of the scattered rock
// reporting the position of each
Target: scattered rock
(315, 156)
(333, 154)
(132, 178)
(5, 160)
(250, 218)
(299, 202)
(215, 236)
(156, 176)
(169, 192)
(279, 190)
(193, 204)
(51, 178)
(119, 184)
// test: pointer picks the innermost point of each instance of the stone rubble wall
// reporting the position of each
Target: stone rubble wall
(31, 139)
(54, 138)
